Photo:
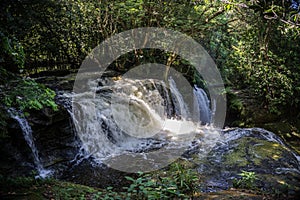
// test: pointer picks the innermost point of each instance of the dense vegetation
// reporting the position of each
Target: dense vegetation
(254, 43)
(178, 183)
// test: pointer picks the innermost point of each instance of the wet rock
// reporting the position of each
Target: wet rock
(14, 162)
(252, 150)
(53, 136)
(16, 157)
(87, 172)
(58, 83)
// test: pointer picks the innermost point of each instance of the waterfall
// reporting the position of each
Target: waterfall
(27, 133)
(180, 106)
(124, 116)
(201, 105)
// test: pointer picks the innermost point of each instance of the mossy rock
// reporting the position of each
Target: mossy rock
(253, 150)
(288, 131)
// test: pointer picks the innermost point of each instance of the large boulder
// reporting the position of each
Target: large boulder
(256, 150)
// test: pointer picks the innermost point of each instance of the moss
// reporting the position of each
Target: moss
(266, 150)
(238, 156)
(253, 150)
(289, 131)
(279, 185)
(30, 188)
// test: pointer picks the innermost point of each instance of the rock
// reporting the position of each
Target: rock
(252, 150)
(87, 172)
(58, 83)
(54, 139)
(256, 150)
(16, 157)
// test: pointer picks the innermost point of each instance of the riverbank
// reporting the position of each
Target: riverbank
(36, 189)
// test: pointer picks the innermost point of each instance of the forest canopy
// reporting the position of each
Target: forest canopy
(255, 44)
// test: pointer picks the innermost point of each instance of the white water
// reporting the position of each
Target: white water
(180, 106)
(131, 116)
(27, 133)
(201, 104)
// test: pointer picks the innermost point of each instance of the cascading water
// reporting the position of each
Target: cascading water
(201, 103)
(181, 108)
(128, 116)
(27, 133)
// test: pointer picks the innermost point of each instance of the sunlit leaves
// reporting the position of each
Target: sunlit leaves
(28, 94)
(12, 52)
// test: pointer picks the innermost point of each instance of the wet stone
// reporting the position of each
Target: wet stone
(275, 165)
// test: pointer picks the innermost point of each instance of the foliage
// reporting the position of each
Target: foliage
(16, 92)
(3, 123)
(31, 188)
(187, 179)
(247, 180)
(63, 33)
(178, 182)
(264, 59)
(28, 94)
(11, 53)
(21, 93)
(254, 43)
(147, 188)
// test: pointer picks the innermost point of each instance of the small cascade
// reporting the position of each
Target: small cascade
(181, 109)
(165, 94)
(27, 133)
(201, 105)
